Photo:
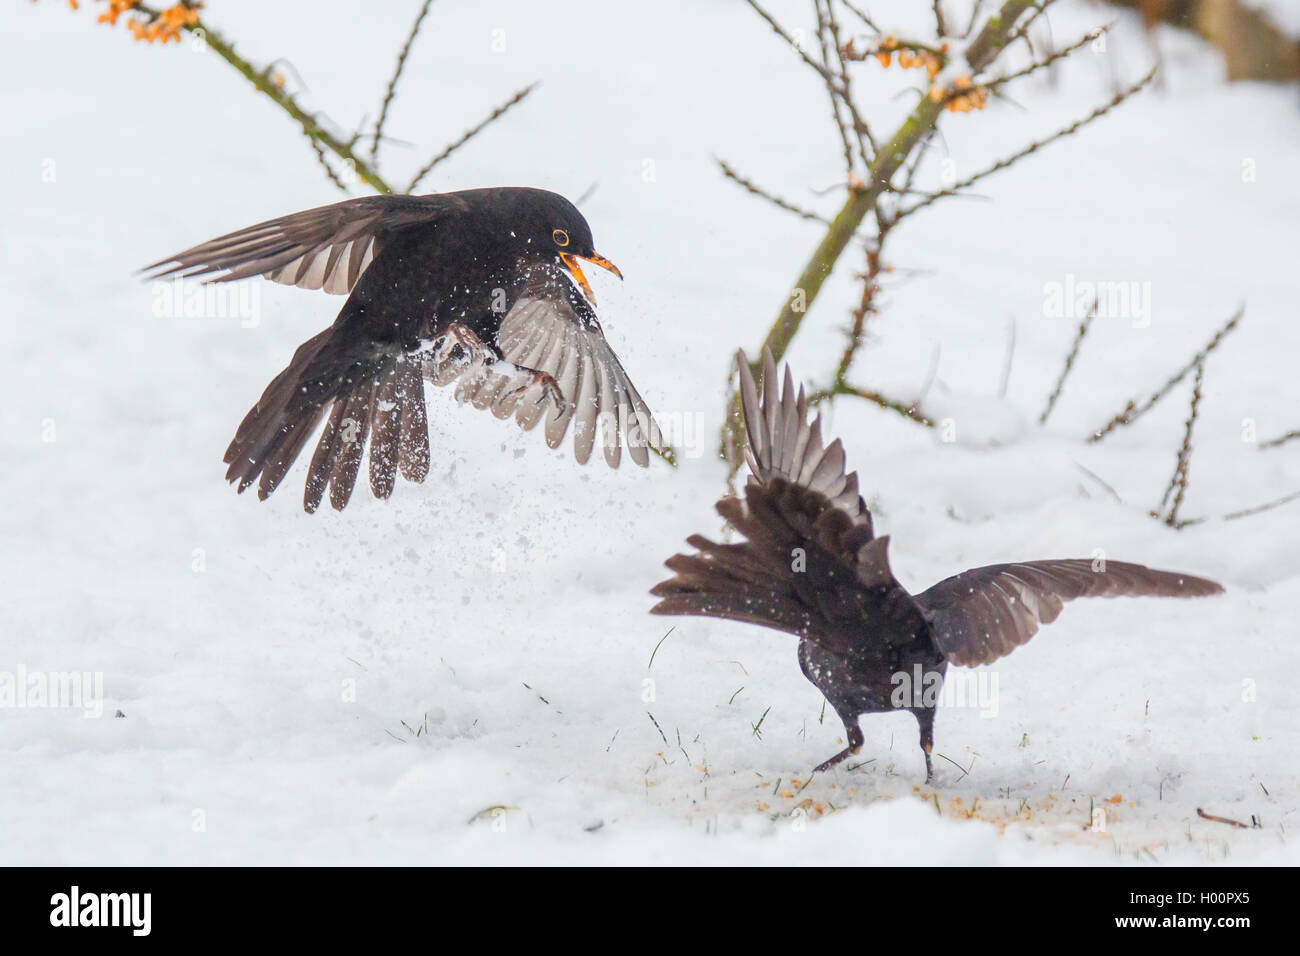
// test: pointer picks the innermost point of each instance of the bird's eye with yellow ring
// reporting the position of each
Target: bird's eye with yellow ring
(561, 237)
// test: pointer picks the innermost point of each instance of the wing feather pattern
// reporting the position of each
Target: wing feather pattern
(552, 329)
(324, 248)
(983, 614)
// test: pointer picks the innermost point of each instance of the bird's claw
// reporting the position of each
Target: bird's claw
(550, 389)
(838, 758)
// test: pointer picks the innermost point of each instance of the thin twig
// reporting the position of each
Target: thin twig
(790, 41)
(1133, 411)
(1069, 362)
(834, 90)
(975, 10)
(907, 410)
(861, 15)
(1281, 440)
(397, 74)
(866, 307)
(1047, 60)
(940, 24)
(1033, 147)
(319, 150)
(1023, 30)
(470, 134)
(1269, 506)
(1211, 817)
(750, 186)
(262, 80)
(1178, 481)
(866, 142)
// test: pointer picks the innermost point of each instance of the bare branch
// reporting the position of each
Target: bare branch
(861, 15)
(1069, 362)
(834, 90)
(866, 142)
(790, 41)
(940, 23)
(906, 409)
(1033, 147)
(319, 150)
(1049, 59)
(750, 186)
(470, 133)
(1281, 439)
(1178, 481)
(1133, 411)
(1264, 507)
(397, 75)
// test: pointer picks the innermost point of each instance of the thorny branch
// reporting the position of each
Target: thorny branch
(1035, 146)
(1133, 411)
(1084, 326)
(1281, 439)
(899, 155)
(470, 134)
(269, 84)
(1177, 487)
(397, 75)
(751, 187)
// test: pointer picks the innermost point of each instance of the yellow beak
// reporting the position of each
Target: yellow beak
(571, 263)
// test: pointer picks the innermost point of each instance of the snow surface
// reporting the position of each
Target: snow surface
(357, 687)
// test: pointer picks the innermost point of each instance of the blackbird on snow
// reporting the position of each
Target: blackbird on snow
(476, 287)
(812, 566)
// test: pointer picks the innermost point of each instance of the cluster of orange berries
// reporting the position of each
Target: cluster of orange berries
(909, 57)
(166, 27)
(969, 97)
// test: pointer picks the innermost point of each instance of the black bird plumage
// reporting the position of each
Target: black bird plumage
(812, 566)
(474, 287)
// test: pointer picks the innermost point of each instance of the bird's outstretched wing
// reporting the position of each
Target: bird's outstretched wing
(810, 564)
(552, 329)
(986, 613)
(324, 248)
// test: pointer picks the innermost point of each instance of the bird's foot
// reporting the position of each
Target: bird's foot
(838, 758)
(456, 349)
(550, 388)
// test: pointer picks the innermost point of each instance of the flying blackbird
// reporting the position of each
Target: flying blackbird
(475, 287)
(812, 566)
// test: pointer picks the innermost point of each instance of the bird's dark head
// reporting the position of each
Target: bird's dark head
(553, 230)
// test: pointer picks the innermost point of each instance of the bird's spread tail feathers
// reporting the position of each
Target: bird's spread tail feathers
(783, 444)
(375, 398)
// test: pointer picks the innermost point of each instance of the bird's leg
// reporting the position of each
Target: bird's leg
(486, 359)
(550, 387)
(473, 351)
(856, 740)
(925, 718)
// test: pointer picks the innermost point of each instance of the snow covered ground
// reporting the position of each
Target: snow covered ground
(461, 674)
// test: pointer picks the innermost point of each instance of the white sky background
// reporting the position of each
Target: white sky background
(230, 678)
